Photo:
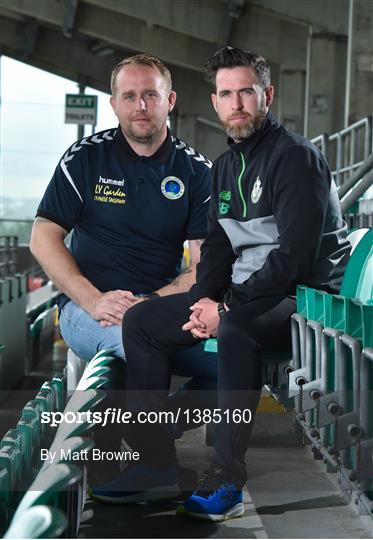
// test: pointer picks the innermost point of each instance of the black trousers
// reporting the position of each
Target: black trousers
(152, 332)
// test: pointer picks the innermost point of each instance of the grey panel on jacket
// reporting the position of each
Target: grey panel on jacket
(255, 232)
(252, 241)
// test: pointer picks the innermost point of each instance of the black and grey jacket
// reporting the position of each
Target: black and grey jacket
(274, 221)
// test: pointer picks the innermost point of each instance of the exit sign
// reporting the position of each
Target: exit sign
(80, 109)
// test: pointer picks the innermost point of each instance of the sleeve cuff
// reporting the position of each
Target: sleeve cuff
(55, 219)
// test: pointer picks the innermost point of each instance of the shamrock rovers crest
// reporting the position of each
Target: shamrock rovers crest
(257, 191)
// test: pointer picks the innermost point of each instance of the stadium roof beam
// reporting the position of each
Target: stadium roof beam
(69, 19)
(233, 10)
(199, 19)
(119, 31)
(124, 32)
(68, 58)
(31, 34)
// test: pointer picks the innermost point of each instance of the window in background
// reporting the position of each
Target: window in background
(33, 137)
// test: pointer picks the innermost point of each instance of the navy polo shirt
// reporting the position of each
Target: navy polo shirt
(130, 214)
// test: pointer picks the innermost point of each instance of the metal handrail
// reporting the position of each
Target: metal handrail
(365, 167)
(360, 179)
(357, 190)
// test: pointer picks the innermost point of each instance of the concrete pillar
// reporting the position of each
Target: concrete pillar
(327, 84)
(211, 139)
(275, 79)
(291, 99)
(204, 135)
(186, 127)
(361, 96)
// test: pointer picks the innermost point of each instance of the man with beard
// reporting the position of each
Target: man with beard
(274, 222)
(132, 196)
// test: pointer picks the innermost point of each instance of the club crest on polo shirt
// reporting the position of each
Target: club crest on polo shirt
(172, 187)
(257, 191)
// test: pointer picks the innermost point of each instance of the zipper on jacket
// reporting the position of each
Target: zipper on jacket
(239, 182)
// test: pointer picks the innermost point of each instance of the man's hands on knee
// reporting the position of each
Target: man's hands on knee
(109, 307)
(204, 319)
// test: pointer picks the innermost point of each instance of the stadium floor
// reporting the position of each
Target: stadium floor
(288, 495)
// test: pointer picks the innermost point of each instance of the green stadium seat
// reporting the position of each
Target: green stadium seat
(38, 522)
(357, 282)
(365, 286)
(354, 237)
(59, 384)
(101, 360)
(31, 448)
(44, 400)
(19, 439)
(49, 387)
(5, 498)
(10, 459)
(84, 401)
(103, 356)
(342, 312)
(47, 485)
(48, 393)
(95, 371)
(79, 402)
(32, 413)
(92, 382)
(356, 265)
(45, 319)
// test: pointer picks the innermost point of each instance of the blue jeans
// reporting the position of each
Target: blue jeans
(86, 337)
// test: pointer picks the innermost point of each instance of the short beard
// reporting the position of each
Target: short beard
(146, 138)
(239, 133)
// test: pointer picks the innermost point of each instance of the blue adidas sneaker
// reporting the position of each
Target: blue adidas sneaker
(217, 498)
(138, 483)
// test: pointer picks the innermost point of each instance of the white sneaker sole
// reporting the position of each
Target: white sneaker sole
(153, 494)
(235, 512)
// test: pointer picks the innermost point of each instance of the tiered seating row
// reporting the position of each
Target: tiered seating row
(332, 377)
(44, 497)
(13, 298)
(25, 334)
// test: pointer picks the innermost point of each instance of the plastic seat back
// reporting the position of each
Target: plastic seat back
(46, 318)
(355, 236)
(84, 401)
(364, 291)
(38, 522)
(18, 439)
(91, 383)
(47, 485)
(356, 264)
(95, 371)
(10, 459)
(5, 498)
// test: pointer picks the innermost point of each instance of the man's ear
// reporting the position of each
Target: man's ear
(113, 104)
(214, 100)
(171, 100)
(269, 92)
